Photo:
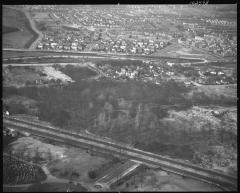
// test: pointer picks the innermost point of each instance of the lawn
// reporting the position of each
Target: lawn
(78, 73)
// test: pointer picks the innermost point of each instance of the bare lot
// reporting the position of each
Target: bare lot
(20, 76)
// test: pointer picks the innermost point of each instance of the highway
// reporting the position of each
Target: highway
(117, 173)
(90, 54)
(225, 181)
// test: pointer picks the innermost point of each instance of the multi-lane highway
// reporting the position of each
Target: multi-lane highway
(116, 174)
(117, 55)
(225, 181)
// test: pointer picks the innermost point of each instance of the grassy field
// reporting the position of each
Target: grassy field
(18, 39)
(177, 50)
(7, 29)
(78, 73)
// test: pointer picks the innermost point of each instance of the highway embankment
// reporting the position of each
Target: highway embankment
(171, 165)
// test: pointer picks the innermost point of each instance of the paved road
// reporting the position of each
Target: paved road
(45, 64)
(33, 26)
(118, 56)
(117, 173)
(167, 164)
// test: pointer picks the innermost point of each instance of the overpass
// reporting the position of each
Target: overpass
(81, 140)
(116, 174)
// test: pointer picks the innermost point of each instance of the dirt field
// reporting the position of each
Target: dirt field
(52, 73)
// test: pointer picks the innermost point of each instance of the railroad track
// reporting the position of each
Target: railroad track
(185, 169)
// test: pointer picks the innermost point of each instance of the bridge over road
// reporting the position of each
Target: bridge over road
(171, 165)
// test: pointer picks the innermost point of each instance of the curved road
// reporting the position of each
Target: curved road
(32, 24)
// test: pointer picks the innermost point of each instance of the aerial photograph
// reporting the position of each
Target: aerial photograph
(119, 98)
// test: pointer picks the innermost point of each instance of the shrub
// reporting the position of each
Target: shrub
(92, 174)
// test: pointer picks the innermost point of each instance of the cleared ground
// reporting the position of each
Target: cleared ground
(20, 76)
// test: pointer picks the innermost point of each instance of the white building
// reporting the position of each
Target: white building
(198, 38)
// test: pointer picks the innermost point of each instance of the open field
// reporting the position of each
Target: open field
(78, 73)
(20, 76)
(178, 50)
(19, 39)
(7, 29)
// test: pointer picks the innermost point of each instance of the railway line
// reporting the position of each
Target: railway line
(168, 164)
